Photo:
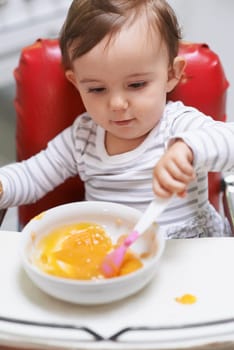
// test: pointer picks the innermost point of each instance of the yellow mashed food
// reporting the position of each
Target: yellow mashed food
(186, 299)
(76, 251)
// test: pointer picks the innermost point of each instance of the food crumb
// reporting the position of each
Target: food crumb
(186, 299)
(118, 222)
(39, 216)
(33, 236)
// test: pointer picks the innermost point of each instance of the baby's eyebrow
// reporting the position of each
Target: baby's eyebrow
(133, 75)
(136, 75)
(86, 80)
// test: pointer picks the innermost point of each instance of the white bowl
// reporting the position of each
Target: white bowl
(92, 291)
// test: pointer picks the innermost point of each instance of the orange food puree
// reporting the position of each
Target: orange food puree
(76, 251)
(186, 299)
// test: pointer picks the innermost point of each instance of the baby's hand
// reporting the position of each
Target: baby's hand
(174, 171)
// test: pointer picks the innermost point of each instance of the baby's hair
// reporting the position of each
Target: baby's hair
(89, 21)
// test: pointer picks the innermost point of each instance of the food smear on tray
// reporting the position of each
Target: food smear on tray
(76, 251)
(187, 299)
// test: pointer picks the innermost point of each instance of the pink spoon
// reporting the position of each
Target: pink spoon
(113, 261)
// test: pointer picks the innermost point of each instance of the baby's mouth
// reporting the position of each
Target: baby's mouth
(123, 122)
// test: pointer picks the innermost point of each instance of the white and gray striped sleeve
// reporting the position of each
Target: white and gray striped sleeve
(27, 181)
(212, 142)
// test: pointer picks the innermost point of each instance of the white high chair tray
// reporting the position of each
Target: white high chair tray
(151, 319)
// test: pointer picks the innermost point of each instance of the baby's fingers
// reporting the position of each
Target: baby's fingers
(164, 184)
(182, 172)
(160, 191)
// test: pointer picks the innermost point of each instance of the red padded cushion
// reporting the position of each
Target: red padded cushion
(204, 86)
(46, 103)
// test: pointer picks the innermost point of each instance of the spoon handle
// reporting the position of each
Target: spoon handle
(151, 214)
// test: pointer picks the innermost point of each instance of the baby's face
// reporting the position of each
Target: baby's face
(124, 82)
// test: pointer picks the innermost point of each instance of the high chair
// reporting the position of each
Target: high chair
(46, 103)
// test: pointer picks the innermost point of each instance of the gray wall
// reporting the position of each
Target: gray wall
(212, 22)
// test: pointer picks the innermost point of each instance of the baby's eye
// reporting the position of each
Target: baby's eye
(96, 90)
(137, 85)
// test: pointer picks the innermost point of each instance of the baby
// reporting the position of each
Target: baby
(122, 56)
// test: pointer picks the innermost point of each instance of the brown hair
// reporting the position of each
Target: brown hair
(89, 21)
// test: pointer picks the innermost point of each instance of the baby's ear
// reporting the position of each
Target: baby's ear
(175, 72)
(71, 77)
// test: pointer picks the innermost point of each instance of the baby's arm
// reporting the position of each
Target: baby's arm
(27, 181)
(174, 170)
(212, 142)
(198, 143)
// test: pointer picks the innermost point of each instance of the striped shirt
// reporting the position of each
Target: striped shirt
(127, 178)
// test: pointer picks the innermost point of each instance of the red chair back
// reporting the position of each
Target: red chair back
(46, 103)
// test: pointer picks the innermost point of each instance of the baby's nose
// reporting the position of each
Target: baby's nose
(118, 102)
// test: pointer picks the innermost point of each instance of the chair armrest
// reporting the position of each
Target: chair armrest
(228, 198)
(2, 215)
